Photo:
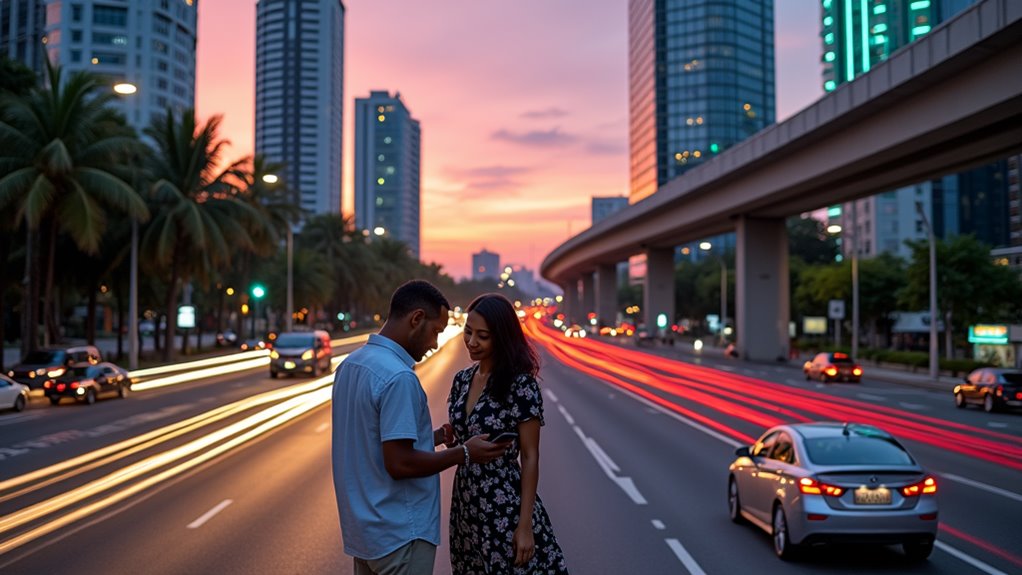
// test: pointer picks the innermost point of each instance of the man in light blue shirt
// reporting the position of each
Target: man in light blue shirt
(384, 459)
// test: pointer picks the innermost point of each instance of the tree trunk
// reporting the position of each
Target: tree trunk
(30, 306)
(90, 314)
(948, 346)
(171, 310)
(5, 249)
(198, 331)
(120, 326)
(51, 333)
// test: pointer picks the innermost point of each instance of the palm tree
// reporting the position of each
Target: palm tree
(198, 220)
(61, 152)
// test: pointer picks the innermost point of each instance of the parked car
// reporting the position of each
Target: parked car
(250, 344)
(13, 395)
(301, 352)
(43, 364)
(226, 338)
(86, 383)
(993, 388)
(832, 367)
(814, 483)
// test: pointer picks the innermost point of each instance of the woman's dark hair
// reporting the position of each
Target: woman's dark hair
(417, 294)
(513, 355)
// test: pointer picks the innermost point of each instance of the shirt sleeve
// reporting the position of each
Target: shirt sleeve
(400, 403)
(527, 399)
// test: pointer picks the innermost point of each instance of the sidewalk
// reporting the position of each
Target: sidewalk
(684, 351)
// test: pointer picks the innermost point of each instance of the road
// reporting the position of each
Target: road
(633, 469)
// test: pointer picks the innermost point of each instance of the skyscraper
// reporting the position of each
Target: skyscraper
(387, 168)
(300, 96)
(604, 206)
(858, 35)
(485, 264)
(148, 44)
(701, 78)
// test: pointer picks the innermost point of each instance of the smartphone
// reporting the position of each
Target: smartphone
(502, 437)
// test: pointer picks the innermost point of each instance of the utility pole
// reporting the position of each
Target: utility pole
(933, 291)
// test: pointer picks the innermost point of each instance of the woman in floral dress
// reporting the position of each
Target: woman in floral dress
(498, 523)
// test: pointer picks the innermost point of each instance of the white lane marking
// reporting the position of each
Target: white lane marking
(19, 418)
(726, 368)
(322, 427)
(659, 524)
(983, 486)
(913, 406)
(683, 419)
(684, 557)
(793, 382)
(209, 514)
(551, 395)
(609, 467)
(997, 425)
(870, 397)
(564, 412)
(967, 558)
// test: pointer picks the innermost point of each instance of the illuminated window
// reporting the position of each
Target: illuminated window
(829, 57)
(920, 5)
(829, 85)
(829, 38)
(828, 21)
(880, 9)
(879, 28)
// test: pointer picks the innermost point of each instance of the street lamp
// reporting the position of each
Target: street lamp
(126, 88)
(707, 246)
(290, 303)
(933, 291)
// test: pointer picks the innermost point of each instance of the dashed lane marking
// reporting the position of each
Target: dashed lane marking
(210, 514)
(684, 556)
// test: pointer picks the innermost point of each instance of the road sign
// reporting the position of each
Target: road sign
(836, 309)
(186, 317)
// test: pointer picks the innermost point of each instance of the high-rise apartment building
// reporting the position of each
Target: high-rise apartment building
(485, 265)
(701, 79)
(387, 168)
(856, 36)
(300, 96)
(149, 44)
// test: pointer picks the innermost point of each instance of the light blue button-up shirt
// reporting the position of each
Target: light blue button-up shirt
(377, 397)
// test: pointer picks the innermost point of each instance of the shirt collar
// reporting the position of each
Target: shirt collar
(386, 342)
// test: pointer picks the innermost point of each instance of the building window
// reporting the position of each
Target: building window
(110, 16)
(109, 58)
(76, 12)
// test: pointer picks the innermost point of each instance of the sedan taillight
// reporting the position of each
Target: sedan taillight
(830, 370)
(811, 486)
(926, 486)
(857, 371)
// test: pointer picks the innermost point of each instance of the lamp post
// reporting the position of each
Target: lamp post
(126, 89)
(933, 291)
(855, 279)
(290, 303)
(257, 291)
(707, 246)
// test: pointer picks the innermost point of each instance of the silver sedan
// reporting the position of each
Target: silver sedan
(811, 483)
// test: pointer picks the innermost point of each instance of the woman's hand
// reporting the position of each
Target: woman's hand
(444, 434)
(525, 546)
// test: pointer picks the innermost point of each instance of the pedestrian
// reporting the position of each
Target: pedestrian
(384, 460)
(498, 522)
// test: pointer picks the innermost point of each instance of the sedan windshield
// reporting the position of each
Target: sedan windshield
(1012, 377)
(41, 357)
(856, 450)
(294, 340)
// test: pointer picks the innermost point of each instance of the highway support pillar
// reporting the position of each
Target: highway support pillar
(606, 294)
(761, 279)
(658, 292)
(588, 299)
(570, 304)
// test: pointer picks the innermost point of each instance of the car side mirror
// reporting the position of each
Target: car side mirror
(743, 451)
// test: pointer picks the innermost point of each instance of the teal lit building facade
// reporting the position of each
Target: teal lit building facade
(701, 79)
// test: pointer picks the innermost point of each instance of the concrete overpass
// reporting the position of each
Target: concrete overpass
(947, 102)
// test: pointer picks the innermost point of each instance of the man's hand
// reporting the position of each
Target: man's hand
(482, 451)
(444, 434)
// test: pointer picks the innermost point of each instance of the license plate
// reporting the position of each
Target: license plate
(878, 496)
(289, 365)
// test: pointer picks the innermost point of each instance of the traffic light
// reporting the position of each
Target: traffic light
(258, 291)
(714, 147)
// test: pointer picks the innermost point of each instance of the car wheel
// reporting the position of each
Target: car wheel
(959, 400)
(783, 546)
(90, 397)
(315, 370)
(823, 378)
(54, 400)
(734, 503)
(273, 375)
(122, 390)
(988, 403)
(918, 550)
(807, 376)
(19, 403)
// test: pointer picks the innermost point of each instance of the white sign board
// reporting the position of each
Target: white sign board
(836, 309)
(186, 317)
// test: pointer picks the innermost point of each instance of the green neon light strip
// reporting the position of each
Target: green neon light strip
(864, 18)
(849, 46)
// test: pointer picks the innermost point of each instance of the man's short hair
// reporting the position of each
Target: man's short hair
(417, 294)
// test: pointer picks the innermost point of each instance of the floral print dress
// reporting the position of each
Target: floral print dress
(487, 497)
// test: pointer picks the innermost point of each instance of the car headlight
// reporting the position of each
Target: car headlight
(307, 355)
(274, 354)
(56, 372)
(40, 371)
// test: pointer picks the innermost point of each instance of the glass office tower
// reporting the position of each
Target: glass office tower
(701, 77)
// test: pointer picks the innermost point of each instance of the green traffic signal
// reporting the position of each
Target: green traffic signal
(714, 147)
(258, 291)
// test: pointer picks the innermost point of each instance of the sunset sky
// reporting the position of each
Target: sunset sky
(523, 105)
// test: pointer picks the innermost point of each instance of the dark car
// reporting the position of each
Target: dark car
(993, 388)
(301, 352)
(86, 383)
(832, 367)
(43, 364)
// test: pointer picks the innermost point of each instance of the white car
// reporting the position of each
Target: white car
(13, 395)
